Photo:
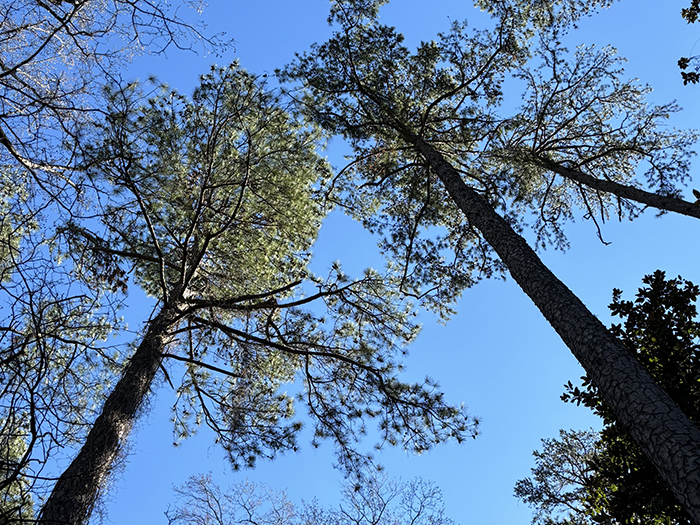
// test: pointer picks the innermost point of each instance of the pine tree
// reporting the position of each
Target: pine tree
(210, 206)
(432, 155)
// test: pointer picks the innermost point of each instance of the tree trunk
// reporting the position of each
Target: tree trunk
(76, 491)
(665, 434)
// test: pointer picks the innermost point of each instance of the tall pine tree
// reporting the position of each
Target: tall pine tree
(437, 170)
(211, 206)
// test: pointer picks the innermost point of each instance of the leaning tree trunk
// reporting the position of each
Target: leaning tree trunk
(76, 491)
(665, 434)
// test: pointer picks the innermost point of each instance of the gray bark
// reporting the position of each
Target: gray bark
(77, 490)
(661, 202)
(665, 434)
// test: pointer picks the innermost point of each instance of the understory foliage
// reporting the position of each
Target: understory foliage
(371, 499)
(603, 477)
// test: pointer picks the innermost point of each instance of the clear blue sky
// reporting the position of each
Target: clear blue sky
(497, 355)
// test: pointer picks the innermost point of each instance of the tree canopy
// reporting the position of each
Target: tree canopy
(210, 205)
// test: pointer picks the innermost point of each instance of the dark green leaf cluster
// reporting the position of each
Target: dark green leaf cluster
(661, 329)
(690, 14)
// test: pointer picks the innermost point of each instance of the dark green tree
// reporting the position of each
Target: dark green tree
(661, 330)
(690, 14)
(447, 182)
(618, 484)
(211, 206)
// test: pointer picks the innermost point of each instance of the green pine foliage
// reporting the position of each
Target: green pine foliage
(578, 113)
(213, 203)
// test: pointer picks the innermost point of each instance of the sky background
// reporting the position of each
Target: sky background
(497, 355)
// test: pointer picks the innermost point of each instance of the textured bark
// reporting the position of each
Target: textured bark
(77, 490)
(661, 202)
(664, 433)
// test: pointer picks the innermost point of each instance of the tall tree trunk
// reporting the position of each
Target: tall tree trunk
(76, 491)
(665, 434)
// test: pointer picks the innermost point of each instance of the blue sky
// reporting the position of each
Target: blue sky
(497, 355)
